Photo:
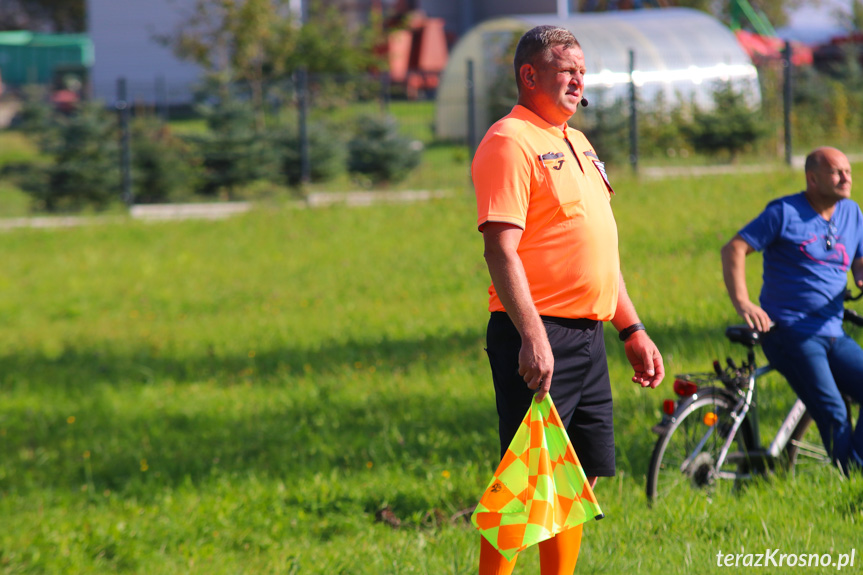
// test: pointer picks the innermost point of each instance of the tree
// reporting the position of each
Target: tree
(233, 152)
(81, 167)
(379, 152)
(730, 126)
(257, 42)
(857, 14)
(323, 46)
(235, 41)
(327, 153)
(163, 166)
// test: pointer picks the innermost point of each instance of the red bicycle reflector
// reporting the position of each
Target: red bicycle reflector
(669, 406)
(685, 388)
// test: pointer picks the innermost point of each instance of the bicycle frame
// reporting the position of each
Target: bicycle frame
(738, 418)
(740, 412)
(719, 424)
(784, 434)
(743, 410)
(780, 441)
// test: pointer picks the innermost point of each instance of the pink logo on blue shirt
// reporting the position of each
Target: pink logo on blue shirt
(836, 252)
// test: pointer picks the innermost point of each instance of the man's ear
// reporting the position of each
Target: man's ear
(527, 74)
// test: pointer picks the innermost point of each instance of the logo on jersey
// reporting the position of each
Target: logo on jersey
(600, 166)
(552, 160)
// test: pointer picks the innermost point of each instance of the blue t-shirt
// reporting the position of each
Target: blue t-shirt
(804, 281)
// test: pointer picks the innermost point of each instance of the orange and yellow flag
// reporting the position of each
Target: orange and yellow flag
(539, 488)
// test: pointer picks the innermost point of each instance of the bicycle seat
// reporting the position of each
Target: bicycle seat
(743, 334)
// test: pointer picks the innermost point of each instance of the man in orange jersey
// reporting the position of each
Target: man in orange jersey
(543, 200)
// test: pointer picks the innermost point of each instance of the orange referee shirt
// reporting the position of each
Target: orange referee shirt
(550, 183)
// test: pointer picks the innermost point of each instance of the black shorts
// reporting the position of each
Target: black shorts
(580, 386)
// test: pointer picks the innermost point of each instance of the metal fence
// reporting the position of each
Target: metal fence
(796, 117)
(631, 122)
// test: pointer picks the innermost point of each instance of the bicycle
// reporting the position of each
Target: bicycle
(711, 433)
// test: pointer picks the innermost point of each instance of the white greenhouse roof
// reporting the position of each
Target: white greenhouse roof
(678, 54)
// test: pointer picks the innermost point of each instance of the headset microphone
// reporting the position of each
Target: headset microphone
(584, 101)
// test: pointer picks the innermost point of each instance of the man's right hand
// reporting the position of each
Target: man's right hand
(734, 274)
(756, 317)
(536, 363)
(535, 360)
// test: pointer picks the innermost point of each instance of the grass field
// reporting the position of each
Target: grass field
(244, 396)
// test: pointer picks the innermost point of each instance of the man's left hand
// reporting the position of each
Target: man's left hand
(646, 360)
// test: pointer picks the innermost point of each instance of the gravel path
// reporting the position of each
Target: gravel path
(219, 210)
(222, 210)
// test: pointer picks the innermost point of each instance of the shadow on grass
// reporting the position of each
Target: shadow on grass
(299, 435)
(80, 367)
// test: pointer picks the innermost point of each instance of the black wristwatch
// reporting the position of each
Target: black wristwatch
(626, 332)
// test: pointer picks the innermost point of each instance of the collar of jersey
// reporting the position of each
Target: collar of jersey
(527, 115)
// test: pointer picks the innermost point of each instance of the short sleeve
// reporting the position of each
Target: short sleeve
(501, 175)
(766, 228)
(859, 227)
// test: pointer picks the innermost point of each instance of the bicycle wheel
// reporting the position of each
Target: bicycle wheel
(686, 453)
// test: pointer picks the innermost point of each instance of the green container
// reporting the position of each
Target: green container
(29, 58)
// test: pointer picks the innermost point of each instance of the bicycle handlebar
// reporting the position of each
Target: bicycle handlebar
(852, 316)
(849, 297)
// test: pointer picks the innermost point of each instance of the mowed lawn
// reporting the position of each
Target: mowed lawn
(249, 395)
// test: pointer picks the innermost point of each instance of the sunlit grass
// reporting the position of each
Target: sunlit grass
(245, 395)
(15, 147)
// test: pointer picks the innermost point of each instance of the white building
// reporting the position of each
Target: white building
(123, 34)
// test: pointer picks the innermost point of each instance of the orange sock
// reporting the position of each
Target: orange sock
(491, 562)
(558, 555)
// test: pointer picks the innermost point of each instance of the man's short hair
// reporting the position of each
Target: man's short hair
(813, 160)
(536, 43)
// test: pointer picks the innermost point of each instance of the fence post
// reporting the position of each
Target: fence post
(786, 99)
(122, 106)
(471, 110)
(303, 108)
(386, 88)
(633, 115)
(161, 99)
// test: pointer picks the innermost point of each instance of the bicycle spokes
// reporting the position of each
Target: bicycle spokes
(702, 443)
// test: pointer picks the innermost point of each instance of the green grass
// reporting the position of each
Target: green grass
(243, 396)
(14, 147)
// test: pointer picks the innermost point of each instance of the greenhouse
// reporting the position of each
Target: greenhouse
(671, 54)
